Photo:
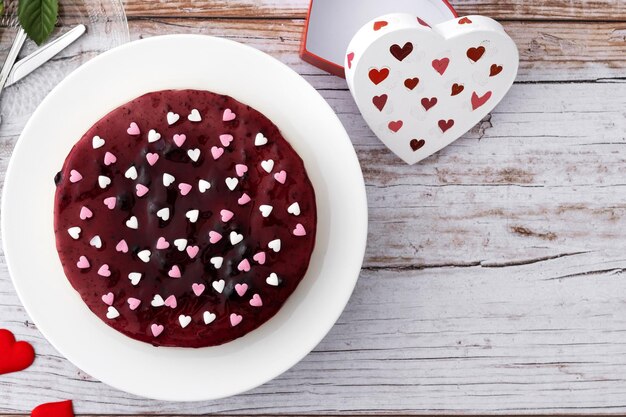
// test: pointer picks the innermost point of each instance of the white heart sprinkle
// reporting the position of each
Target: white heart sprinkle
(132, 223)
(157, 301)
(235, 238)
(131, 173)
(74, 232)
(194, 116)
(96, 242)
(208, 317)
(268, 165)
(265, 210)
(180, 244)
(231, 183)
(192, 215)
(260, 140)
(134, 278)
(294, 209)
(272, 280)
(217, 261)
(97, 142)
(112, 313)
(194, 154)
(203, 185)
(103, 181)
(172, 118)
(184, 320)
(153, 136)
(168, 179)
(274, 245)
(219, 285)
(144, 255)
(164, 214)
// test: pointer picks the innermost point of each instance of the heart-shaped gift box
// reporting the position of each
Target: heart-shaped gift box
(420, 88)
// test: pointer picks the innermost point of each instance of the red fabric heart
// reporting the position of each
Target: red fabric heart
(14, 356)
(58, 409)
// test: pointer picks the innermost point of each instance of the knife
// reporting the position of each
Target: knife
(28, 64)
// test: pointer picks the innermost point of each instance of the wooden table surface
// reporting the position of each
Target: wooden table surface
(493, 280)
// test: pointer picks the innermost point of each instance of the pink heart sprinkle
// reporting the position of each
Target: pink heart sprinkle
(244, 199)
(256, 301)
(174, 272)
(162, 243)
(241, 289)
(108, 298)
(157, 329)
(228, 115)
(198, 289)
(109, 158)
(299, 230)
(214, 237)
(171, 302)
(226, 215)
(141, 190)
(75, 176)
(152, 158)
(192, 251)
(259, 257)
(110, 202)
(281, 176)
(217, 152)
(244, 266)
(122, 246)
(184, 188)
(133, 303)
(241, 169)
(226, 139)
(235, 319)
(179, 140)
(133, 129)
(82, 263)
(104, 271)
(85, 213)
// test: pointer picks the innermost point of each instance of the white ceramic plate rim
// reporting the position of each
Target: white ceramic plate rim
(184, 61)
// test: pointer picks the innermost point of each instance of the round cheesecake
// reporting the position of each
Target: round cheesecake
(184, 218)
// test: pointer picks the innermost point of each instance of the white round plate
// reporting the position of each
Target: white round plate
(307, 122)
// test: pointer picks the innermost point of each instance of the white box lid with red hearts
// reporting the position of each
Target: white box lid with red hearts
(421, 88)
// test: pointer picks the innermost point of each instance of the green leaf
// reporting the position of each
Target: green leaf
(38, 18)
(1, 6)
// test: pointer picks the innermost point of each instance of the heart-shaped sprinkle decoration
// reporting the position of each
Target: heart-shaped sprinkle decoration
(226, 139)
(132, 223)
(153, 136)
(203, 185)
(244, 199)
(97, 142)
(214, 237)
(241, 169)
(131, 173)
(85, 213)
(192, 215)
(180, 244)
(274, 245)
(218, 285)
(133, 129)
(156, 329)
(217, 261)
(152, 158)
(112, 313)
(226, 215)
(104, 271)
(122, 246)
(184, 320)
(194, 116)
(259, 258)
(157, 301)
(241, 289)
(83, 263)
(110, 202)
(235, 319)
(74, 232)
(162, 243)
(228, 115)
(133, 303)
(281, 177)
(299, 230)
(217, 152)
(164, 214)
(96, 242)
(108, 299)
(244, 266)
(194, 154)
(272, 280)
(231, 183)
(268, 165)
(141, 190)
(235, 237)
(294, 209)
(256, 301)
(260, 139)
(144, 255)
(208, 317)
(168, 179)
(265, 210)
(109, 158)
(184, 188)
(75, 176)
(174, 272)
(104, 181)
(179, 140)
(134, 277)
(192, 251)
(172, 118)
(171, 302)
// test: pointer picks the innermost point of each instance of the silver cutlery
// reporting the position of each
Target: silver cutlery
(18, 42)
